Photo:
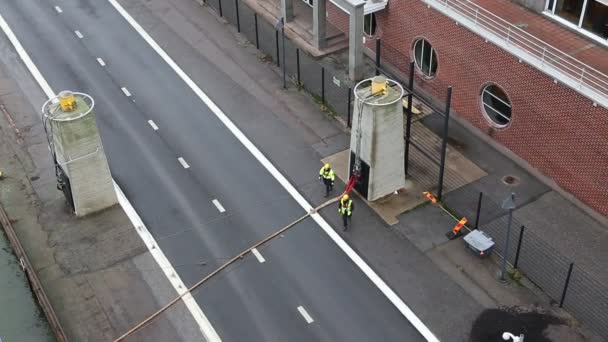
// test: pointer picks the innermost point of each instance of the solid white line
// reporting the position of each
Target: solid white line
(363, 266)
(205, 326)
(78, 34)
(195, 310)
(101, 62)
(183, 162)
(305, 314)
(258, 255)
(126, 91)
(218, 205)
(58, 9)
(151, 123)
(46, 88)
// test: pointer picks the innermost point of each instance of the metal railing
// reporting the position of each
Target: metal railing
(581, 76)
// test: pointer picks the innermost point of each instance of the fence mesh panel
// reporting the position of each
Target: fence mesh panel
(336, 94)
(267, 38)
(229, 11)
(247, 17)
(310, 71)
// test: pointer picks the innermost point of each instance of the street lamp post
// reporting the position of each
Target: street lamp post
(281, 25)
(508, 204)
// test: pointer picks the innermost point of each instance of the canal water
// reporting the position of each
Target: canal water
(21, 319)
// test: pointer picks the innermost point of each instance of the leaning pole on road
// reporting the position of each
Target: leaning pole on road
(81, 167)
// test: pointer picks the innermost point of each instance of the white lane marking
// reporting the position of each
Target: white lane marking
(258, 255)
(46, 88)
(183, 162)
(151, 123)
(363, 266)
(205, 326)
(78, 34)
(101, 62)
(305, 314)
(126, 91)
(218, 205)
(58, 9)
(195, 310)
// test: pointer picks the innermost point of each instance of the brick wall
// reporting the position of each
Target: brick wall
(558, 131)
(337, 17)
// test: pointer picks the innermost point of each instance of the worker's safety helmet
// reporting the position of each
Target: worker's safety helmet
(326, 166)
(345, 197)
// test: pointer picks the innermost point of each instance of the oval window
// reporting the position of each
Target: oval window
(425, 57)
(496, 105)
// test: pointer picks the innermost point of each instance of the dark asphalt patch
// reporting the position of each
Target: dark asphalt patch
(492, 323)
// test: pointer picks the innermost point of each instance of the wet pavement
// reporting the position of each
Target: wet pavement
(21, 319)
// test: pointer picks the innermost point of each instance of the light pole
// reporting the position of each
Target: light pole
(508, 336)
(281, 25)
(508, 204)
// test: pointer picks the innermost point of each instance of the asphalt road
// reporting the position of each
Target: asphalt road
(252, 301)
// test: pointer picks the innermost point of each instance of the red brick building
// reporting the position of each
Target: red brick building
(548, 108)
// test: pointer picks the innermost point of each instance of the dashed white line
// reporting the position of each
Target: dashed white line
(218, 205)
(126, 91)
(78, 34)
(101, 62)
(58, 9)
(258, 255)
(305, 314)
(183, 162)
(151, 123)
(342, 244)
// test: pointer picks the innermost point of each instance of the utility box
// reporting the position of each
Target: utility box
(81, 166)
(479, 243)
(376, 146)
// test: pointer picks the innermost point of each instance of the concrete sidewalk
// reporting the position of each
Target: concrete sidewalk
(445, 286)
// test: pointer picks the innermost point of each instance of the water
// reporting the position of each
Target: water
(21, 319)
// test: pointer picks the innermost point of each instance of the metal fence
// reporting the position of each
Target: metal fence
(569, 285)
(330, 88)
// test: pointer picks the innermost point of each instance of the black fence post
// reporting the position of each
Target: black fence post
(521, 236)
(238, 18)
(444, 142)
(478, 209)
(220, 8)
(257, 36)
(561, 301)
(323, 84)
(408, 126)
(276, 39)
(378, 47)
(298, 65)
(349, 111)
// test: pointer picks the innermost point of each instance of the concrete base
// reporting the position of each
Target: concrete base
(423, 176)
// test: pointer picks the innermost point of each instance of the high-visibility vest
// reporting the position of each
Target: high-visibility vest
(346, 207)
(327, 173)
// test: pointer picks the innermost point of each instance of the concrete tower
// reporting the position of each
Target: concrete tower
(75, 141)
(377, 138)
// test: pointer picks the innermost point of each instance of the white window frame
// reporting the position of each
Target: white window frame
(579, 25)
(372, 20)
(419, 65)
(486, 107)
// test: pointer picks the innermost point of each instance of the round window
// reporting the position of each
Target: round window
(496, 105)
(425, 57)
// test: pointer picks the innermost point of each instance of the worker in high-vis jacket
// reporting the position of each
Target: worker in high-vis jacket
(346, 207)
(327, 175)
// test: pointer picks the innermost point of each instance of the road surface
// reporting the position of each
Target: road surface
(202, 195)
